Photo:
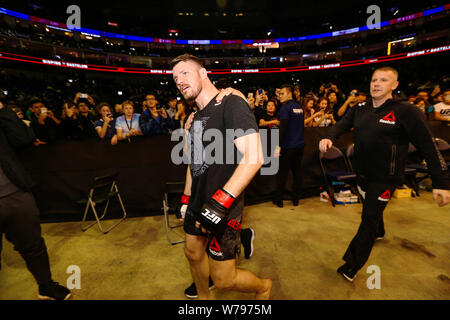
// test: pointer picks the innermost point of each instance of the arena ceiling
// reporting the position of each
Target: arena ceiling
(225, 19)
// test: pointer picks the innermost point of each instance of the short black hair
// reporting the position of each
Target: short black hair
(289, 87)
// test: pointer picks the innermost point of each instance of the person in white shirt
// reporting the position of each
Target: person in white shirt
(442, 109)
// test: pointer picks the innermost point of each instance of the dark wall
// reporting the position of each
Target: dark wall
(64, 170)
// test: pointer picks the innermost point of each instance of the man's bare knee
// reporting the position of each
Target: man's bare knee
(224, 279)
(194, 248)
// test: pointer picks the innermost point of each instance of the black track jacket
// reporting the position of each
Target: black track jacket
(382, 136)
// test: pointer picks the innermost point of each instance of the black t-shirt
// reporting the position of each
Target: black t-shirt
(267, 117)
(212, 161)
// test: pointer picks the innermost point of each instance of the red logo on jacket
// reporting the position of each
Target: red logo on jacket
(389, 118)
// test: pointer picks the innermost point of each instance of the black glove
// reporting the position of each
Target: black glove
(215, 211)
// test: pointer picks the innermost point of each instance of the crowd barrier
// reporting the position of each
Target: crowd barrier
(63, 171)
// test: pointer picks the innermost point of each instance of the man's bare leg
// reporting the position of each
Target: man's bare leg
(226, 276)
(194, 249)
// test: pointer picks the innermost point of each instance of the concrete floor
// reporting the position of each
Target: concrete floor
(299, 248)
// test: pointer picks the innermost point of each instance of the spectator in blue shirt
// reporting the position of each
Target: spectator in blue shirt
(154, 120)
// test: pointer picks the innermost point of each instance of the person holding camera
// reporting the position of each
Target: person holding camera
(19, 215)
(44, 123)
(351, 101)
(324, 116)
(154, 120)
(105, 126)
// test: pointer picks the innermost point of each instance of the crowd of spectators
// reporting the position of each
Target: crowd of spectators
(83, 117)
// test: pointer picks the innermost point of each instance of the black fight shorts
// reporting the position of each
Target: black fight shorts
(223, 246)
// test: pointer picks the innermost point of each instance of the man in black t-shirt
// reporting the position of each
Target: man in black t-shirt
(221, 133)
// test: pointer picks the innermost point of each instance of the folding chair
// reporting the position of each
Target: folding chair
(102, 189)
(350, 152)
(172, 195)
(442, 145)
(336, 159)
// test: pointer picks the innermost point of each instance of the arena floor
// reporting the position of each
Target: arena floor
(299, 248)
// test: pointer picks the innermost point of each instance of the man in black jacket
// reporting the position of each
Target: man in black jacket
(19, 215)
(383, 129)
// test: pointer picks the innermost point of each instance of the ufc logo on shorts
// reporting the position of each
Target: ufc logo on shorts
(211, 216)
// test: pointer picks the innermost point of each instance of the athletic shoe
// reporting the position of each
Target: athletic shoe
(379, 237)
(53, 291)
(295, 202)
(347, 272)
(247, 237)
(278, 203)
(191, 291)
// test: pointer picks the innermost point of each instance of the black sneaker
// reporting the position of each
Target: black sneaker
(379, 237)
(295, 202)
(191, 291)
(278, 203)
(347, 272)
(53, 291)
(247, 237)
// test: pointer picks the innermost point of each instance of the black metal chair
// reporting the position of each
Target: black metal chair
(171, 201)
(102, 190)
(443, 147)
(335, 168)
